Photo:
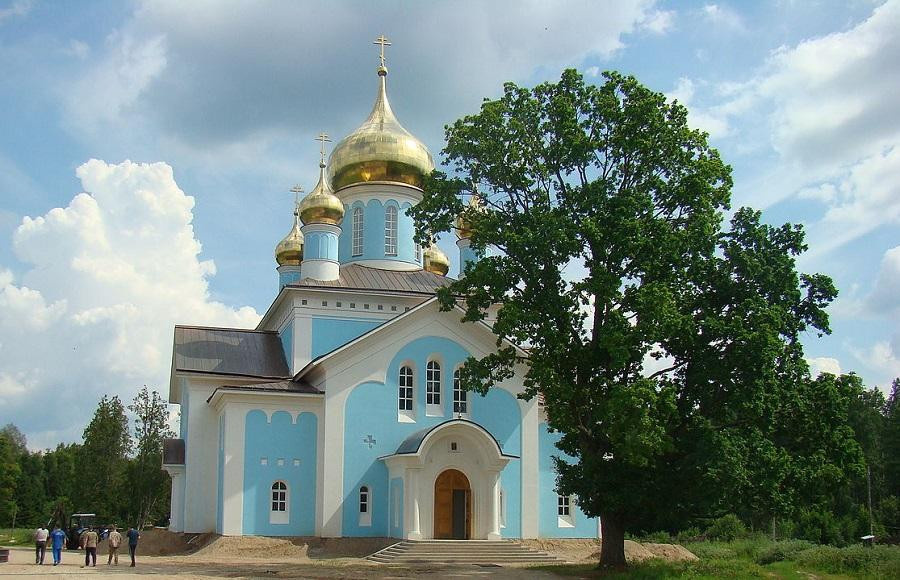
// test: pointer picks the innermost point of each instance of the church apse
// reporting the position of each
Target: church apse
(279, 474)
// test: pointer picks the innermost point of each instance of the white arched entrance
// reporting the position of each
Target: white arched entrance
(461, 446)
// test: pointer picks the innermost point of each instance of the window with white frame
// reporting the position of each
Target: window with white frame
(564, 511)
(390, 230)
(405, 382)
(460, 396)
(365, 506)
(433, 388)
(279, 514)
(357, 235)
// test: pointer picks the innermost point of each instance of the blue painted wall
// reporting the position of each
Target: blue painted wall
(286, 277)
(373, 233)
(220, 476)
(396, 507)
(371, 409)
(280, 439)
(330, 333)
(319, 245)
(548, 520)
(467, 255)
(287, 344)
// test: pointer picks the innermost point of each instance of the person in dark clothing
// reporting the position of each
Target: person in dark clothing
(90, 539)
(133, 536)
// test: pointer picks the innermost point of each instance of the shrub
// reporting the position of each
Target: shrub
(726, 528)
(692, 534)
(780, 551)
(657, 538)
(713, 551)
(855, 559)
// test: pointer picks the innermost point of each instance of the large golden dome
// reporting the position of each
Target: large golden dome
(435, 261)
(289, 251)
(380, 149)
(321, 206)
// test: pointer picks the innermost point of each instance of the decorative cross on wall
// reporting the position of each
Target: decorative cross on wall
(369, 440)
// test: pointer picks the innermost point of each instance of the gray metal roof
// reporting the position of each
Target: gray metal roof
(173, 452)
(358, 277)
(412, 443)
(230, 351)
(276, 387)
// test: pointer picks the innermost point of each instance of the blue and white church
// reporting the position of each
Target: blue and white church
(341, 414)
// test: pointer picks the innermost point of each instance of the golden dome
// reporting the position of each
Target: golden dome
(380, 149)
(289, 251)
(435, 261)
(463, 223)
(321, 206)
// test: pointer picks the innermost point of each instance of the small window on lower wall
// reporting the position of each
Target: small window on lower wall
(564, 512)
(365, 506)
(279, 506)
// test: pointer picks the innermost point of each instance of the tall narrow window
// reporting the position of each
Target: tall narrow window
(358, 219)
(390, 231)
(418, 253)
(365, 514)
(565, 517)
(405, 392)
(278, 514)
(433, 388)
(460, 396)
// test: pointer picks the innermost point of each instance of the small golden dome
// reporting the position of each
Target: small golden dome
(464, 223)
(435, 261)
(380, 149)
(321, 206)
(289, 251)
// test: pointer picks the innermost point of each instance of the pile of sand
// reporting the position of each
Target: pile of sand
(586, 550)
(162, 542)
(304, 548)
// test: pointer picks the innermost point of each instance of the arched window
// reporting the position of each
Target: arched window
(278, 514)
(365, 512)
(405, 391)
(460, 396)
(390, 230)
(358, 224)
(433, 388)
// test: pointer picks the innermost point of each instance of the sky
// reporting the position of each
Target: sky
(147, 150)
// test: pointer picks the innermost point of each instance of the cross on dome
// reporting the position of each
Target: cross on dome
(297, 190)
(383, 41)
(322, 138)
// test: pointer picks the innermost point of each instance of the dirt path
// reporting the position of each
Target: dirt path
(194, 567)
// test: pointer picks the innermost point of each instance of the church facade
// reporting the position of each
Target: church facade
(341, 414)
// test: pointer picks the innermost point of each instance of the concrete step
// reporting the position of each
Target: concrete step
(461, 552)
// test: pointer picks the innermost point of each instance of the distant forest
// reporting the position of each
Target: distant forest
(115, 472)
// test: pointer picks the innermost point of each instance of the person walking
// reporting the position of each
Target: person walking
(57, 541)
(115, 540)
(91, 539)
(133, 536)
(40, 544)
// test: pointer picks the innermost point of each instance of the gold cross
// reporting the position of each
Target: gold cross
(383, 42)
(323, 138)
(297, 190)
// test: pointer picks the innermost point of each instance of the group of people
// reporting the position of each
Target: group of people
(88, 541)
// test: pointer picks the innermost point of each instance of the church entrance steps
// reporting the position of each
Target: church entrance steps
(462, 552)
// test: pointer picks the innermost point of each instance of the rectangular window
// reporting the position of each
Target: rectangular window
(390, 231)
(460, 396)
(565, 516)
(357, 235)
(563, 505)
(433, 388)
(405, 391)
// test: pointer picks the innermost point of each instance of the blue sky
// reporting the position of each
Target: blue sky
(187, 124)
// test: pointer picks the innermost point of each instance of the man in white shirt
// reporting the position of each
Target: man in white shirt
(40, 544)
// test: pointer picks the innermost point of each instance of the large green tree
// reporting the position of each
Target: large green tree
(148, 484)
(663, 344)
(101, 460)
(9, 477)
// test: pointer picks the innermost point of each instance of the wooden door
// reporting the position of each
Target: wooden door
(452, 506)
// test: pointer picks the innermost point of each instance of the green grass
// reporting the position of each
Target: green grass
(757, 557)
(10, 537)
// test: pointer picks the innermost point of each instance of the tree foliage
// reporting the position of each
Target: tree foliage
(148, 484)
(101, 460)
(666, 347)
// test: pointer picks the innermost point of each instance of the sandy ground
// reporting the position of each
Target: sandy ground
(197, 566)
(187, 556)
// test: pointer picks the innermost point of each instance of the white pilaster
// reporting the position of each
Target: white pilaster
(233, 484)
(530, 469)
(412, 502)
(176, 503)
(493, 505)
(333, 472)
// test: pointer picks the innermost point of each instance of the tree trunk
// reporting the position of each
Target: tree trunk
(612, 548)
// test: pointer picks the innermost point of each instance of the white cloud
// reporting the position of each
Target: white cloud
(883, 360)
(592, 71)
(109, 275)
(706, 119)
(17, 8)
(658, 21)
(719, 15)
(885, 296)
(819, 365)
